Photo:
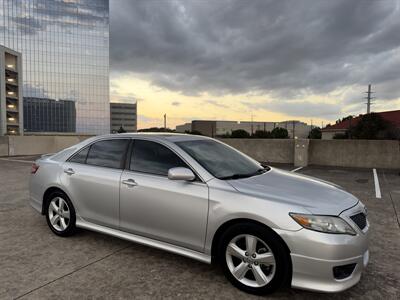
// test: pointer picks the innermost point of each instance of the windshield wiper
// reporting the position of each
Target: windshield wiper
(238, 175)
(235, 176)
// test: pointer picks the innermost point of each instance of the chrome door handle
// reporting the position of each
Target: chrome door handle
(69, 171)
(130, 182)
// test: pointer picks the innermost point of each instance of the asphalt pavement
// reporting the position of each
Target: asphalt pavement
(36, 264)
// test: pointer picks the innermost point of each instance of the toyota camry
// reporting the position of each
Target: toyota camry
(198, 197)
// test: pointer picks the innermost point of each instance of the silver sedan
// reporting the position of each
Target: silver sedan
(198, 197)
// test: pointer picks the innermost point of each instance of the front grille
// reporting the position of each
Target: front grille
(360, 219)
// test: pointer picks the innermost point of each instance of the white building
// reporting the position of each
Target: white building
(187, 127)
(219, 128)
(11, 105)
(123, 115)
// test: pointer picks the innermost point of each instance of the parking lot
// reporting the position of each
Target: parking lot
(36, 264)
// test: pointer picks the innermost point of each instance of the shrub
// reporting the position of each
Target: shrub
(260, 134)
(240, 134)
(279, 133)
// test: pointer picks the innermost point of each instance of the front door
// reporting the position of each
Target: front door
(151, 205)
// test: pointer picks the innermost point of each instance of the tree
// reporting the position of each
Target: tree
(315, 133)
(156, 129)
(279, 133)
(121, 130)
(260, 134)
(344, 119)
(372, 127)
(240, 134)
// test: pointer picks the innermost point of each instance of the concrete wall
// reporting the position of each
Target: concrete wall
(355, 153)
(265, 150)
(300, 152)
(339, 153)
(32, 145)
(3, 145)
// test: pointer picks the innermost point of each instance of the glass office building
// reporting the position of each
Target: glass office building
(65, 55)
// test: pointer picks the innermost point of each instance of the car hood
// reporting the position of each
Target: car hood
(315, 195)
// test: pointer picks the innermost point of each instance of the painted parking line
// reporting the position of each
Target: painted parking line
(18, 160)
(297, 169)
(377, 187)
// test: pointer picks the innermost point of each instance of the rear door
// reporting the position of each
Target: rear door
(92, 179)
(154, 206)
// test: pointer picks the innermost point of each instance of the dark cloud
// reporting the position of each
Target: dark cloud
(176, 103)
(287, 48)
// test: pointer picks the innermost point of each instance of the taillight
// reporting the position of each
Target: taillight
(34, 168)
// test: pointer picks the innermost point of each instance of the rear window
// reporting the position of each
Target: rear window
(80, 157)
(110, 153)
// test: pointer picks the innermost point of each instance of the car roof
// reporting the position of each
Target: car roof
(167, 136)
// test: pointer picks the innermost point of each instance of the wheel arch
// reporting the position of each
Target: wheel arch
(47, 193)
(221, 229)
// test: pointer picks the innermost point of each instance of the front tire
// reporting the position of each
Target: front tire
(60, 214)
(254, 259)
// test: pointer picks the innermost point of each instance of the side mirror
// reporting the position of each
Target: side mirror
(181, 174)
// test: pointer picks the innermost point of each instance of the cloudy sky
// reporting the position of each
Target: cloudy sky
(275, 60)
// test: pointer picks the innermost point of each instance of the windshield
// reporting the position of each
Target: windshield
(220, 160)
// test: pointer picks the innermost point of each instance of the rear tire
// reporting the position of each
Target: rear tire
(60, 214)
(254, 259)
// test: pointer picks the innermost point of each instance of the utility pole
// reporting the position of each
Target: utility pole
(369, 98)
(294, 126)
(252, 124)
(165, 121)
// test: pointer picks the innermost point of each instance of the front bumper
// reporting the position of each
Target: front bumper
(314, 256)
(317, 274)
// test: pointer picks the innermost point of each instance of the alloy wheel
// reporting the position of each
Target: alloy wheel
(250, 260)
(59, 214)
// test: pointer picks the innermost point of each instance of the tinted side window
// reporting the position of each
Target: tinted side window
(80, 157)
(108, 153)
(153, 158)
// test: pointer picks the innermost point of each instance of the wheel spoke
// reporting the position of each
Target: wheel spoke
(66, 214)
(54, 219)
(53, 206)
(240, 271)
(60, 204)
(251, 243)
(63, 225)
(259, 275)
(265, 259)
(234, 250)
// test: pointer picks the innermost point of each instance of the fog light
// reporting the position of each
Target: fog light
(342, 272)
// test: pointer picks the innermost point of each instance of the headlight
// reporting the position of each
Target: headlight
(327, 224)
